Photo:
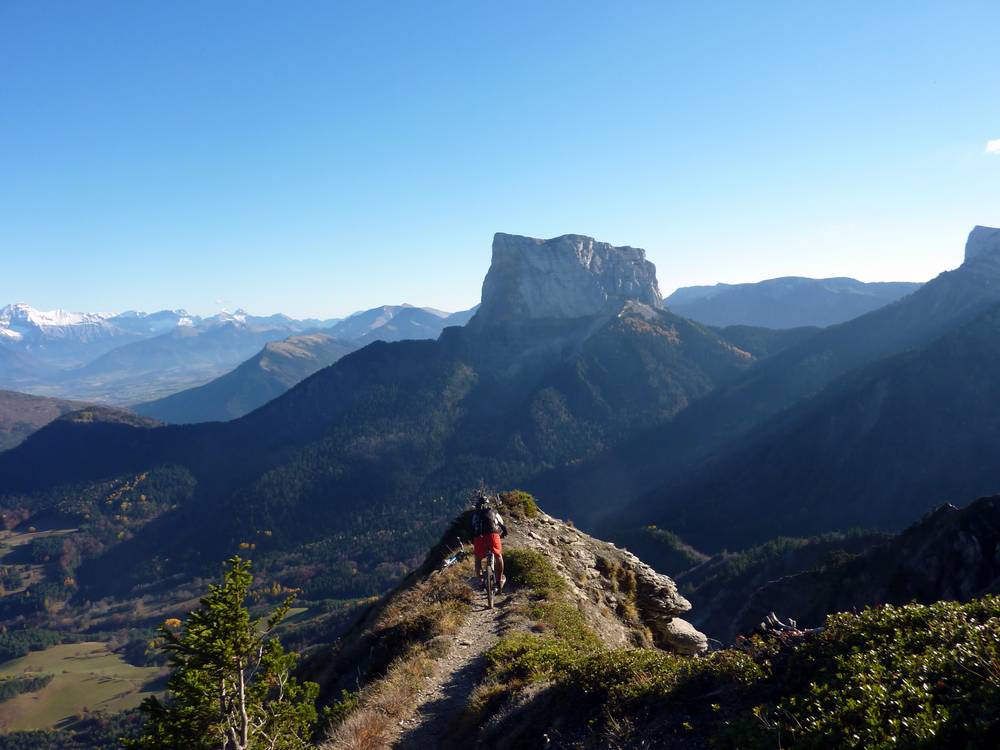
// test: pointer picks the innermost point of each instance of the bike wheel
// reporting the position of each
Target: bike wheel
(490, 582)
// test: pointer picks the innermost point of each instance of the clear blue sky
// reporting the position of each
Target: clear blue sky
(316, 158)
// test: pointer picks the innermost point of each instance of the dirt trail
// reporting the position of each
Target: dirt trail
(446, 692)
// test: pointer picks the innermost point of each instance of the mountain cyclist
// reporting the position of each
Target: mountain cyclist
(487, 530)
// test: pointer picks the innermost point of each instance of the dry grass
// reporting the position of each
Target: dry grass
(383, 705)
(408, 634)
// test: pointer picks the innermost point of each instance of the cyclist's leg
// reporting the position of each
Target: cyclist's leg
(479, 552)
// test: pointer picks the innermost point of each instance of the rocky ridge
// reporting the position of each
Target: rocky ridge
(589, 565)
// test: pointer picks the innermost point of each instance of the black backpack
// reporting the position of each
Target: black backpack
(484, 521)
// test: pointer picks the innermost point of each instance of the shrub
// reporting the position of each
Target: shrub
(526, 567)
(526, 657)
(519, 503)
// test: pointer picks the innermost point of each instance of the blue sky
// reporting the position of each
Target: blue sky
(317, 158)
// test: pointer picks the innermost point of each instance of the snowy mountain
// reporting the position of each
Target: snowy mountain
(135, 356)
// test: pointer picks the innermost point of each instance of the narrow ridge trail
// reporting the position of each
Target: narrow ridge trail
(445, 693)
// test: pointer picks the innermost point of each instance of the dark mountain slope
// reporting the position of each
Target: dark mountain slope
(263, 377)
(21, 415)
(765, 342)
(380, 445)
(875, 449)
(950, 554)
(654, 461)
(788, 302)
(723, 584)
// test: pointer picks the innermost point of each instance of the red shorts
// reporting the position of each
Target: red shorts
(484, 543)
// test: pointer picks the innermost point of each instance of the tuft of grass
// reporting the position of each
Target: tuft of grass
(564, 621)
(532, 569)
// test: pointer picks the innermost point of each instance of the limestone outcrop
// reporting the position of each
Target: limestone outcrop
(624, 600)
(983, 241)
(566, 277)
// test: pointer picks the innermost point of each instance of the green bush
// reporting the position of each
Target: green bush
(340, 709)
(911, 676)
(528, 657)
(526, 567)
(519, 503)
(618, 677)
(908, 674)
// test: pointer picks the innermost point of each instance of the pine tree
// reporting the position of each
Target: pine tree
(231, 686)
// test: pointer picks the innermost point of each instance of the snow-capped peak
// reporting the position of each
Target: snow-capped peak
(24, 314)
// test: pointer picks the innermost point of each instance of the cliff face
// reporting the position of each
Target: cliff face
(566, 277)
(982, 242)
(606, 581)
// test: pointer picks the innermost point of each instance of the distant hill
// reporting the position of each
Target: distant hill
(724, 584)
(397, 323)
(21, 415)
(787, 302)
(265, 376)
(130, 356)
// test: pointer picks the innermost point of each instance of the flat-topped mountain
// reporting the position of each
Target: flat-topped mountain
(787, 302)
(983, 242)
(566, 277)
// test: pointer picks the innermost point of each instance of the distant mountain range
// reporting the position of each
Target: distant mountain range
(135, 357)
(788, 302)
(282, 364)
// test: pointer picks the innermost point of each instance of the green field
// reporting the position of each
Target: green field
(87, 676)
